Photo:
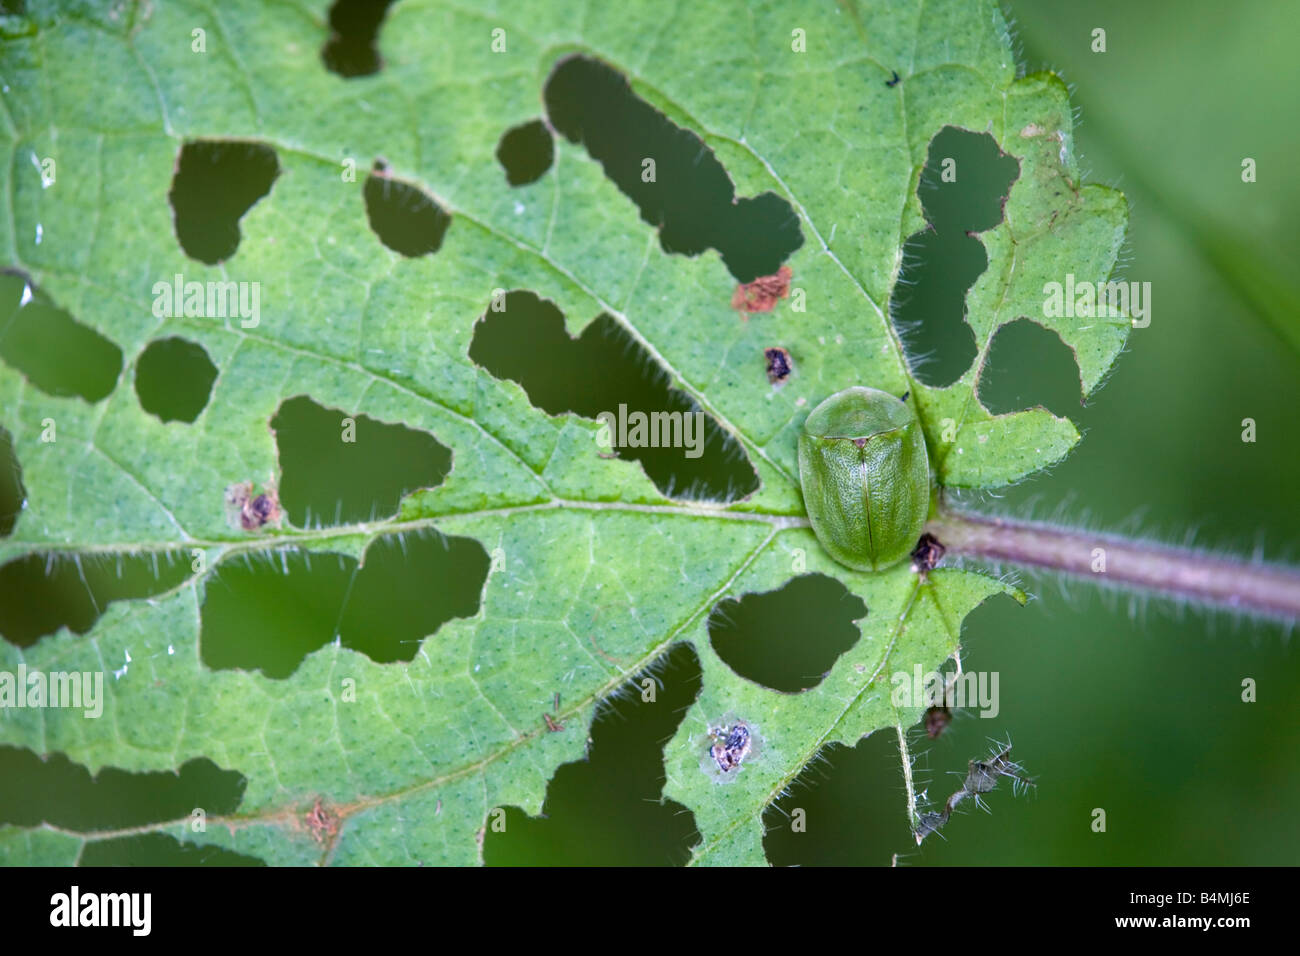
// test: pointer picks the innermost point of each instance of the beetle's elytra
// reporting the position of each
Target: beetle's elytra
(865, 477)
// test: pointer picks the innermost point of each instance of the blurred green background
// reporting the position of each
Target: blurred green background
(1133, 707)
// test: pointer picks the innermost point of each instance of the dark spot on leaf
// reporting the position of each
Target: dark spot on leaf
(59, 355)
(42, 592)
(270, 612)
(406, 219)
(623, 775)
(686, 194)
(604, 370)
(941, 263)
(354, 25)
(216, 182)
(893, 80)
(51, 789)
(779, 365)
(790, 638)
(762, 294)
(173, 378)
(250, 510)
(526, 152)
(263, 508)
(13, 496)
(1028, 365)
(731, 744)
(339, 467)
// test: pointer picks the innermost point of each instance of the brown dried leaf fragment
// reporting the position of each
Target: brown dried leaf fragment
(762, 294)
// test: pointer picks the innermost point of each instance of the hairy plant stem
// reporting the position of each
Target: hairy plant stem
(1180, 573)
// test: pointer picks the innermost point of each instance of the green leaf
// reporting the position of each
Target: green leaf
(597, 571)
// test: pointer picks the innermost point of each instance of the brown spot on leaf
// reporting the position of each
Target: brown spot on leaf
(249, 511)
(762, 294)
(322, 822)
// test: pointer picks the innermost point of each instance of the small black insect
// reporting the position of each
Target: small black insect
(730, 747)
(894, 81)
(927, 554)
(779, 365)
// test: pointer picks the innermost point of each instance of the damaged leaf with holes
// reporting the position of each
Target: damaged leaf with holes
(417, 648)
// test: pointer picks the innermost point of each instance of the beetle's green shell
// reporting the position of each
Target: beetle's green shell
(865, 477)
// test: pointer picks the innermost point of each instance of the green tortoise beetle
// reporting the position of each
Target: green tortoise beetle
(865, 476)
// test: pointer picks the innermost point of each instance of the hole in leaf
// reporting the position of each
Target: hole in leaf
(270, 612)
(54, 790)
(413, 583)
(40, 593)
(173, 378)
(13, 496)
(787, 639)
(216, 182)
(406, 219)
(526, 152)
(968, 193)
(962, 189)
(623, 775)
(341, 468)
(159, 849)
(58, 354)
(676, 181)
(354, 25)
(15, 290)
(852, 808)
(930, 304)
(604, 370)
(1028, 365)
